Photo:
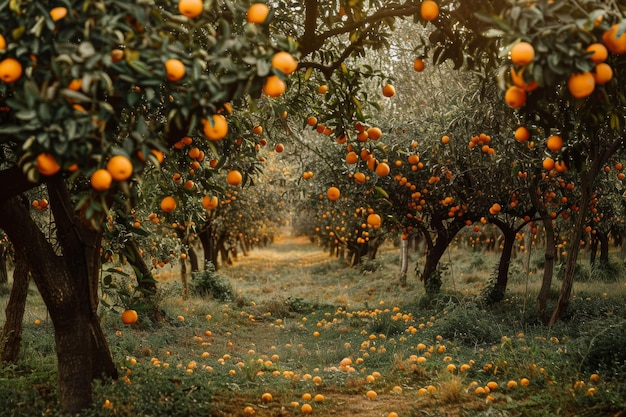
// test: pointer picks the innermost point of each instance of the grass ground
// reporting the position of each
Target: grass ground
(302, 323)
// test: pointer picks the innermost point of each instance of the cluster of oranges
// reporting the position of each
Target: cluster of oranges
(118, 168)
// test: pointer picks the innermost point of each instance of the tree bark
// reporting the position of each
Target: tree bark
(445, 235)
(4, 260)
(68, 286)
(496, 293)
(145, 279)
(11, 338)
(404, 261)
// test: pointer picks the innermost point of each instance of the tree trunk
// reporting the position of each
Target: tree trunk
(445, 235)
(244, 246)
(68, 286)
(193, 260)
(11, 338)
(209, 247)
(496, 293)
(145, 279)
(404, 261)
(603, 238)
(4, 260)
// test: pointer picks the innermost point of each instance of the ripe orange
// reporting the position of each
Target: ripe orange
(306, 409)
(333, 193)
(522, 53)
(234, 177)
(190, 8)
(284, 62)
(518, 79)
(429, 10)
(311, 121)
(598, 52)
(216, 128)
(389, 90)
(58, 13)
(554, 143)
(266, 397)
(168, 204)
(101, 180)
(383, 169)
(612, 42)
(560, 166)
(374, 220)
(10, 70)
(117, 55)
(515, 97)
(374, 133)
(209, 202)
(258, 129)
(47, 164)
(522, 134)
(418, 64)
(359, 177)
(274, 86)
(322, 89)
(603, 73)
(279, 148)
(120, 167)
(548, 163)
(445, 139)
(581, 84)
(129, 316)
(174, 69)
(257, 13)
(3, 43)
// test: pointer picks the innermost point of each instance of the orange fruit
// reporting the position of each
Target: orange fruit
(58, 13)
(311, 121)
(117, 55)
(190, 8)
(279, 148)
(560, 166)
(120, 167)
(101, 180)
(389, 90)
(522, 53)
(209, 202)
(216, 128)
(258, 129)
(306, 409)
(333, 193)
(322, 89)
(266, 397)
(10, 70)
(168, 204)
(174, 69)
(374, 133)
(352, 158)
(612, 42)
(418, 64)
(47, 164)
(518, 79)
(234, 177)
(581, 84)
(429, 10)
(598, 52)
(515, 97)
(554, 143)
(359, 177)
(445, 139)
(548, 164)
(383, 169)
(3, 43)
(284, 62)
(371, 394)
(257, 13)
(522, 134)
(129, 316)
(374, 220)
(603, 73)
(274, 86)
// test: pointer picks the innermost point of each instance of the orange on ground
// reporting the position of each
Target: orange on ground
(522, 53)
(306, 409)
(58, 13)
(257, 13)
(522, 134)
(190, 8)
(234, 177)
(333, 193)
(47, 164)
(274, 86)
(129, 316)
(383, 169)
(515, 97)
(603, 73)
(216, 128)
(120, 167)
(10, 70)
(429, 10)
(389, 90)
(284, 62)
(174, 69)
(598, 52)
(418, 64)
(168, 204)
(581, 84)
(101, 180)
(554, 143)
